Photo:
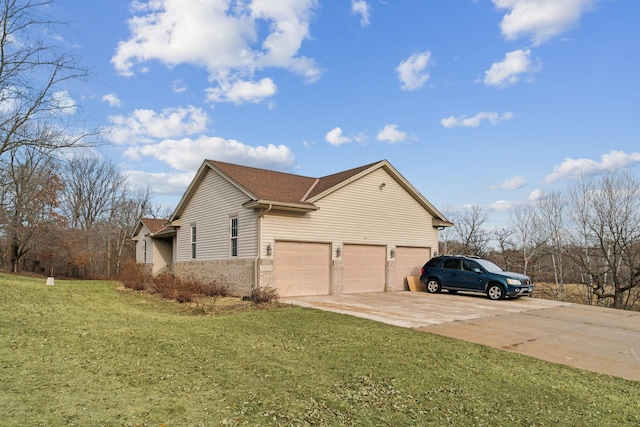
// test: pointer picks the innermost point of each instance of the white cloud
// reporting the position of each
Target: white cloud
(335, 137)
(509, 70)
(503, 205)
(160, 183)
(8, 102)
(390, 133)
(475, 121)
(64, 103)
(144, 126)
(308, 144)
(112, 99)
(536, 195)
(512, 183)
(361, 8)
(240, 91)
(586, 167)
(178, 86)
(187, 154)
(413, 72)
(540, 19)
(230, 39)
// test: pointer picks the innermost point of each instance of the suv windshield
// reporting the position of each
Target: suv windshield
(489, 266)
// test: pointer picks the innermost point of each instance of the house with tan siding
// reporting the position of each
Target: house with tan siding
(361, 230)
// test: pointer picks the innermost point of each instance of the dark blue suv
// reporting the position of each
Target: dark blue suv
(471, 274)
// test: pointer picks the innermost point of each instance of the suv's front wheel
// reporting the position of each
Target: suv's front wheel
(433, 286)
(495, 292)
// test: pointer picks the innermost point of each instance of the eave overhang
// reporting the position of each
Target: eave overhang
(439, 223)
(165, 232)
(280, 206)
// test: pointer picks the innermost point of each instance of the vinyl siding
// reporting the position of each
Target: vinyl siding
(213, 202)
(140, 246)
(360, 213)
(162, 255)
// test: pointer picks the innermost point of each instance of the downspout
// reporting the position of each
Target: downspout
(256, 273)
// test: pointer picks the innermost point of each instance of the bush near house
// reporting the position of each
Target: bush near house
(170, 286)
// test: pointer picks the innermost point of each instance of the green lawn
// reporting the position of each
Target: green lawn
(88, 354)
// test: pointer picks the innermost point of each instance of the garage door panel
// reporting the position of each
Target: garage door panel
(302, 268)
(364, 268)
(409, 261)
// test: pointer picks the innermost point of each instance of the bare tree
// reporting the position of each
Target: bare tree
(35, 109)
(37, 118)
(550, 214)
(93, 190)
(527, 233)
(133, 204)
(606, 219)
(28, 202)
(469, 226)
(507, 246)
(446, 242)
(100, 204)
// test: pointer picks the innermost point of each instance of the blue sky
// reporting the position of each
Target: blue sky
(475, 102)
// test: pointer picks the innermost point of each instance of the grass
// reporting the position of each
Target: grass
(88, 354)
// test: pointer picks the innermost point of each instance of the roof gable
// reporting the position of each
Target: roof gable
(152, 225)
(331, 181)
(335, 182)
(268, 189)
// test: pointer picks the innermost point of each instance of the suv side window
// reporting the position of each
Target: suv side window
(432, 262)
(468, 265)
(452, 264)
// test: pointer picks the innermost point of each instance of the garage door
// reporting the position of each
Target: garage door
(409, 261)
(364, 268)
(302, 268)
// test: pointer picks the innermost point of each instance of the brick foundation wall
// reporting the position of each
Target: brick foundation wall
(390, 276)
(337, 276)
(266, 273)
(237, 275)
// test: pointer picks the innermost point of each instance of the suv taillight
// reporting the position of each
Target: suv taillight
(422, 271)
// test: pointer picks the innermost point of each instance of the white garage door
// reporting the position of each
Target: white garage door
(409, 261)
(302, 268)
(364, 268)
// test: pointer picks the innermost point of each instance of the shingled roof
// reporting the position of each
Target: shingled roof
(265, 184)
(153, 225)
(282, 187)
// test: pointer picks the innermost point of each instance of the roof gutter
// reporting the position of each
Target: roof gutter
(281, 206)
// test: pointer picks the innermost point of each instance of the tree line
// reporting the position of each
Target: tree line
(71, 218)
(587, 234)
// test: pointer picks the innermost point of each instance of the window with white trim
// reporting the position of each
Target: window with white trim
(144, 250)
(233, 235)
(193, 242)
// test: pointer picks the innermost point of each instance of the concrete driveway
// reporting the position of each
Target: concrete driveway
(592, 338)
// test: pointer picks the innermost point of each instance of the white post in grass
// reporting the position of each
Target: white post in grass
(50, 278)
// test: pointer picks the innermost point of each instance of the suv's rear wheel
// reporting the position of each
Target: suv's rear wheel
(495, 292)
(433, 286)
